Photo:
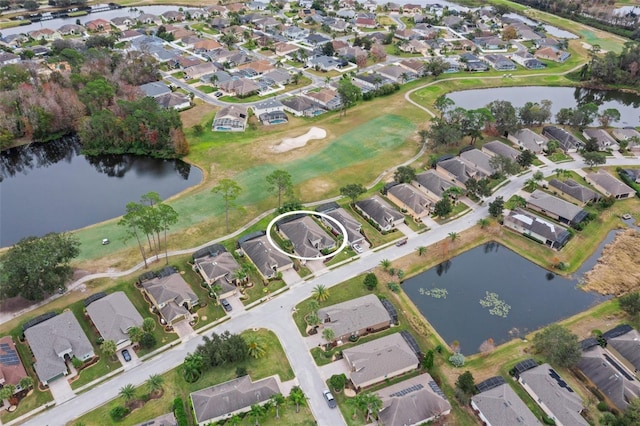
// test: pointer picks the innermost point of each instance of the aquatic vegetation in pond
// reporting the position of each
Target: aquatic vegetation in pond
(436, 293)
(497, 307)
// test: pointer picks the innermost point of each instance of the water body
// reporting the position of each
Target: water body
(536, 297)
(561, 97)
(51, 187)
(550, 29)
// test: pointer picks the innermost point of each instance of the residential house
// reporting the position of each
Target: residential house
(241, 87)
(366, 23)
(556, 208)
(495, 148)
(501, 406)
(479, 160)
(326, 98)
(231, 118)
(155, 89)
(458, 171)
(218, 268)
(452, 21)
(302, 107)
(536, 228)
(71, 30)
(148, 19)
(414, 46)
(556, 398)
(610, 378)
(633, 174)
(295, 33)
(278, 76)
(528, 139)
(113, 316)
(473, 63)
(454, 65)
(356, 317)
(352, 226)
(270, 112)
(264, 256)
(324, 63)
(206, 45)
(122, 22)
(568, 142)
(236, 396)
(98, 26)
(379, 360)
(625, 347)
(260, 67)
(173, 16)
(383, 216)
(552, 53)
(308, 238)
(397, 73)
(608, 185)
(195, 13)
(544, 42)
(409, 199)
(500, 63)
(371, 80)
(527, 60)
(55, 341)
(11, 368)
(414, 65)
(415, 401)
(411, 8)
(46, 34)
(7, 58)
(316, 39)
(572, 190)
(174, 100)
(219, 23)
(432, 184)
(171, 296)
(197, 71)
(488, 44)
(628, 134)
(129, 35)
(604, 139)
(406, 34)
(282, 48)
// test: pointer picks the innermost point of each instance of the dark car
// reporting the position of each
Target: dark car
(331, 402)
(126, 355)
(226, 305)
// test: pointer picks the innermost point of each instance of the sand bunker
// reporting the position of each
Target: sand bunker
(288, 144)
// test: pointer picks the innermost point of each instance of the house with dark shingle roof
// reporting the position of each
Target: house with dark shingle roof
(235, 396)
(501, 406)
(380, 212)
(604, 139)
(267, 259)
(409, 199)
(353, 227)
(302, 107)
(556, 208)
(608, 185)
(218, 269)
(626, 348)
(155, 89)
(528, 139)
(568, 142)
(494, 148)
(171, 296)
(547, 233)
(572, 190)
(113, 316)
(307, 237)
(356, 317)
(432, 184)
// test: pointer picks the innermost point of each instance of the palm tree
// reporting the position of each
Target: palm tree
(235, 420)
(484, 222)
(127, 392)
(531, 184)
(327, 80)
(453, 236)
(257, 411)
(297, 397)
(320, 293)
(277, 400)
(312, 319)
(313, 305)
(373, 404)
(25, 383)
(385, 263)
(135, 333)
(192, 367)
(215, 289)
(109, 348)
(359, 403)
(421, 250)
(256, 347)
(154, 383)
(328, 335)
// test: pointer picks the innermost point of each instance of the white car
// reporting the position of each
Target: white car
(357, 248)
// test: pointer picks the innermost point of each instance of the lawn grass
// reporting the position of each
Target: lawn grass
(559, 157)
(274, 362)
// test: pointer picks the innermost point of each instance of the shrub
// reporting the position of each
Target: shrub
(602, 406)
(394, 287)
(178, 411)
(77, 363)
(457, 359)
(147, 340)
(337, 382)
(241, 371)
(370, 281)
(118, 413)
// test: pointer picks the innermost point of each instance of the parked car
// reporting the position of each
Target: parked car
(226, 305)
(105, 241)
(218, 94)
(126, 355)
(357, 248)
(401, 242)
(331, 402)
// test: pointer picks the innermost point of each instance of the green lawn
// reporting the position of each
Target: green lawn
(559, 157)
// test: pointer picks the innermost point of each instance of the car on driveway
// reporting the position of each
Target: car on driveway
(226, 305)
(331, 402)
(357, 248)
(126, 355)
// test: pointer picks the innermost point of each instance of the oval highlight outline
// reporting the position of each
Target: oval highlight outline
(345, 240)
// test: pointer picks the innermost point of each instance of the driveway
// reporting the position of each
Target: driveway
(404, 228)
(336, 367)
(61, 390)
(291, 277)
(184, 329)
(317, 267)
(134, 356)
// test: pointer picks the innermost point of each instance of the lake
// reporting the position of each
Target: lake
(52, 187)
(561, 97)
(550, 29)
(498, 277)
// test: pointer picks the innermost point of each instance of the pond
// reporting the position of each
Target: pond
(517, 296)
(561, 97)
(550, 29)
(52, 187)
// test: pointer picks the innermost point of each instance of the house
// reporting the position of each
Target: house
(231, 118)
(379, 359)
(171, 296)
(432, 184)
(625, 347)
(295, 33)
(556, 398)
(55, 341)
(218, 268)
(478, 160)
(495, 148)
(527, 60)
(71, 29)
(206, 45)
(536, 228)
(267, 259)
(46, 34)
(155, 89)
(324, 63)
(574, 191)
(608, 376)
(556, 208)
(8, 59)
(11, 368)
(528, 139)
(173, 16)
(633, 174)
(366, 23)
(414, 46)
(121, 22)
(113, 315)
(415, 401)
(604, 139)
(198, 70)
(270, 105)
(627, 134)
(308, 238)
(491, 44)
(149, 19)
(278, 76)
(409, 199)
(282, 48)
(174, 100)
(235, 396)
(260, 67)
(301, 107)
(352, 226)
(501, 406)
(500, 63)
(568, 142)
(327, 98)
(316, 39)
(98, 26)
(608, 185)
(397, 73)
(414, 65)
(458, 171)
(356, 317)
(552, 53)
(406, 34)
(378, 211)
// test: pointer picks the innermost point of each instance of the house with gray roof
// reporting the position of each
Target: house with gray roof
(270, 105)
(414, 401)
(409, 199)
(628, 134)
(556, 208)
(432, 184)
(54, 341)
(231, 118)
(235, 396)
(501, 406)
(500, 63)
(307, 237)
(608, 185)
(218, 270)
(536, 228)
(171, 296)
(380, 359)
(380, 213)
(397, 73)
(353, 227)
(572, 190)
(633, 174)
(604, 139)
(528, 139)
(494, 148)
(167, 419)
(568, 142)
(356, 317)
(556, 398)
(479, 160)
(267, 259)
(302, 107)
(612, 380)
(626, 348)
(113, 316)
(174, 100)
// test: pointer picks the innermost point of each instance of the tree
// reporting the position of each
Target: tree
(337, 382)
(583, 115)
(421, 250)
(349, 94)
(505, 117)
(630, 303)
(148, 340)
(256, 346)
(457, 359)
(229, 190)
(192, 367)
(127, 392)
(280, 182)
(442, 132)
(496, 207)
(509, 33)
(108, 348)
(427, 361)
(228, 39)
(373, 404)
(7, 391)
(154, 383)
(320, 293)
(443, 207)
(135, 334)
(609, 115)
(436, 66)
(592, 159)
(443, 104)
(504, 165)
(97, 94)
(453, 236)
(466, 383)
(257, 412)
(297, 397)
(148, 325)
(31, 5)
(353, 191)
(525, 158)
(404, 174)
(277, 400)
(37, 266)
(558, 345)
(370, 281)
(133, 222)
(385, 263)
(25, 383)
(483, 222)
(328, 334)
(564, 116)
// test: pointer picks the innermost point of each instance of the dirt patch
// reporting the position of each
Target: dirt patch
(288, 144)
(196, 115)
(620, 255)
